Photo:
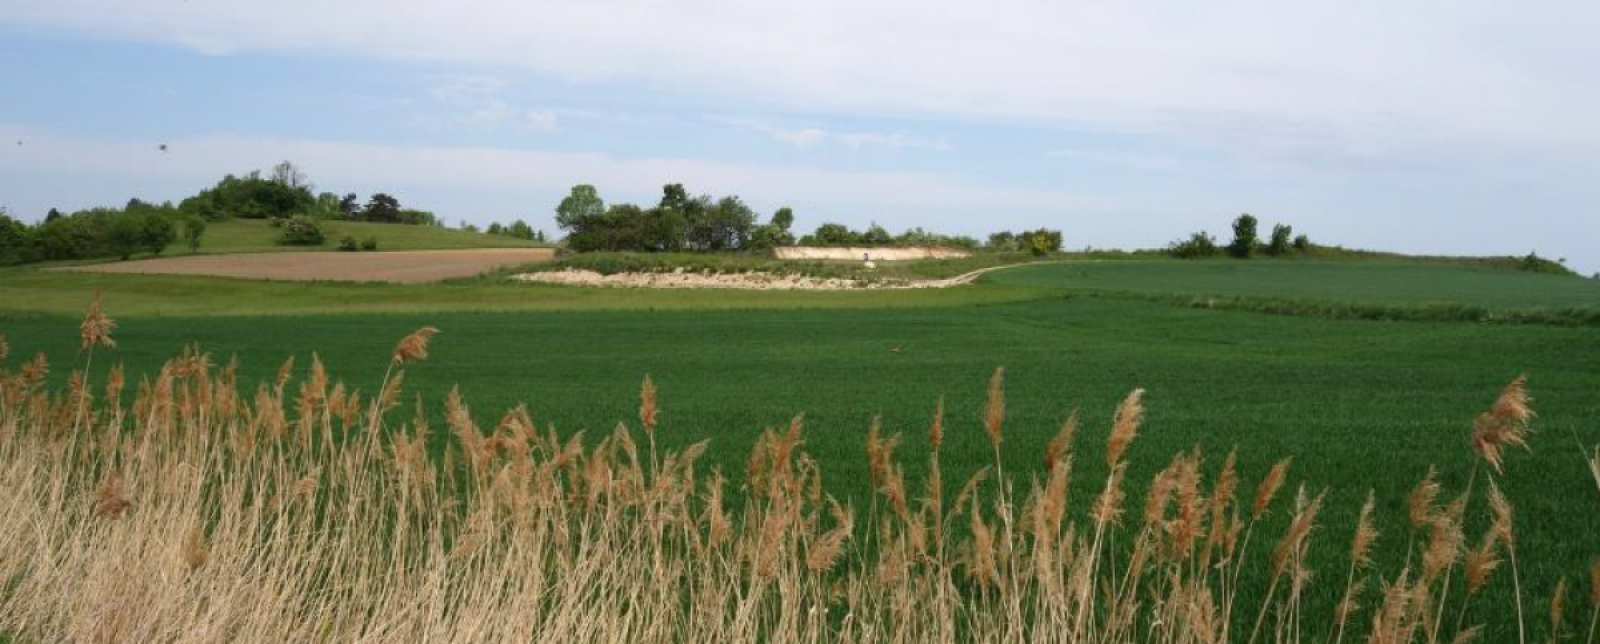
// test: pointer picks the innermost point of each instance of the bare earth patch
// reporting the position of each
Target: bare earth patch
(748, 281)
(409, 266)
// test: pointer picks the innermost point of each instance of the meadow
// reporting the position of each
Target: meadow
(1359, 405)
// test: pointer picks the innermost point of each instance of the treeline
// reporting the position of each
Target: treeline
(680, 222)
(285, 192)
(1245, 244)
(98, 232)
(283, 196)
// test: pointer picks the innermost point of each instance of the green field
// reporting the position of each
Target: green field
(1360, 405)
(1361, 282)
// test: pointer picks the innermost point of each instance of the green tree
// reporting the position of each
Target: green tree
(1244, 237)
(831, 234)
(382, 208)
(124, 234)
(520, 230)
(156, 232)
(1003, 241)
(1302, 243)
(194, 228)
(783, 219)
(1278, 246)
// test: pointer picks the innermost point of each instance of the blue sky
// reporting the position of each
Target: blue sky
(1438, 127)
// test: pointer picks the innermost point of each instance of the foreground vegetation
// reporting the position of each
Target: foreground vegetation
(311, 512)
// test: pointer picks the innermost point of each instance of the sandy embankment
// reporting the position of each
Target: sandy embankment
(746, 281)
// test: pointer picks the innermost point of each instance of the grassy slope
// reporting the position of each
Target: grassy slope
(1360, 405)
(255, 236)
(33, 292)
(1371, 282)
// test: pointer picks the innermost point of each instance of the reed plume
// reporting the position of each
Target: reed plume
(1504, 425)
(413, 347)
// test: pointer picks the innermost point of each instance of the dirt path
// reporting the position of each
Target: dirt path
(747, 281)
(410, 266)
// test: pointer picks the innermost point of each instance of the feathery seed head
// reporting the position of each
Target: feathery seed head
(1269, 487)
(995, 414)
(647, 404)
(1125, 427)
(413, 347)
(96, 327)
(1505, 424)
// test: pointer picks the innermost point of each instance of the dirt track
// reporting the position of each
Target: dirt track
(411, 266)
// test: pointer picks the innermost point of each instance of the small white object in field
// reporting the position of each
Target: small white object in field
(869, 264)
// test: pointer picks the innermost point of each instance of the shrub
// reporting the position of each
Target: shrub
(194, 227)
(301, 230)
(1302, 243)
(1244, 237)
(348, 243)
(1197, 246)
(370, 243)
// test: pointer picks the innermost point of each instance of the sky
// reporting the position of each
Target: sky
(1427, 126)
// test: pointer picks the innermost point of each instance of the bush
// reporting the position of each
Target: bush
(370, 243)
(348, 243)
(1198, 246)
(1302, 243)
(194, 227)
(301, 230)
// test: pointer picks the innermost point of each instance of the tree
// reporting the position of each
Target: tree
(723, 226)
(583, 202)
(830, 234)
(286, 174)
(1041, 242)
(1244, 237)
(1279, 244)
(52, 215)
(124, 235)
(783, 219)
(875, 235)
(194, 227)
(1302, 243)
(382, 208)
(350, 206)
(1003, 241)
(495, 228)
(520, 230)
(16, 243)
(156, 232)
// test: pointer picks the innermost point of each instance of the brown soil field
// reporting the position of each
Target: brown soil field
(410, 266)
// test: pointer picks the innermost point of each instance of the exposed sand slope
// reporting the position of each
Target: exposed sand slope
(410, 266)
(752, 281)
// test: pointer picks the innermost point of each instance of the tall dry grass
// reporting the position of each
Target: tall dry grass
(203, 511)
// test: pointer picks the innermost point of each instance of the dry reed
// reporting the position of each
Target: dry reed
(203, 511)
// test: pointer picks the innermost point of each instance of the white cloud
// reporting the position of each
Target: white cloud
(477, 101)
(811, 137)
(1345, 73)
